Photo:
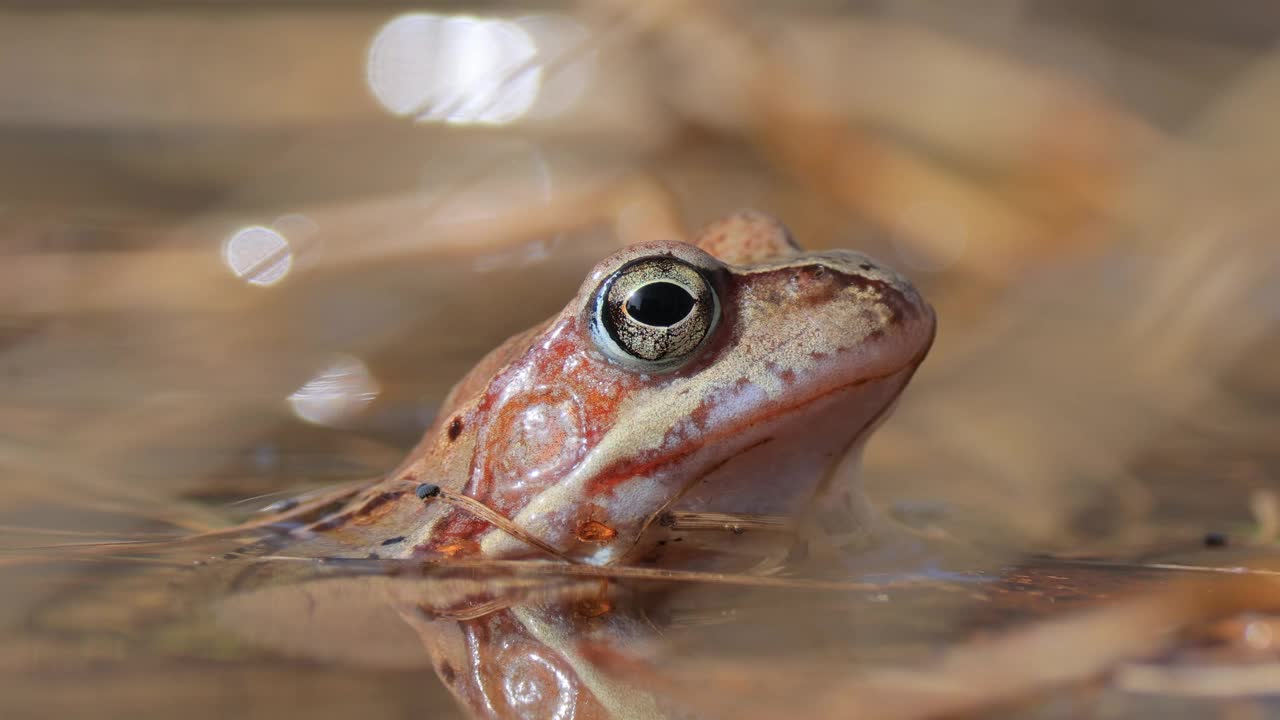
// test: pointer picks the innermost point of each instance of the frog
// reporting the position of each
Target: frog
(735, 376)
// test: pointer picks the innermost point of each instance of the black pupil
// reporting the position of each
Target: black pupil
(660, 304)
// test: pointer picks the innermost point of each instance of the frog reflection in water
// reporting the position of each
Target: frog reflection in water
(738, 375)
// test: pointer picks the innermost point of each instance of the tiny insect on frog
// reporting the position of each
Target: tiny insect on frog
(738, 375)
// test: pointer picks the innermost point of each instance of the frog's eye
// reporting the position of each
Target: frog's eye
(654, 313)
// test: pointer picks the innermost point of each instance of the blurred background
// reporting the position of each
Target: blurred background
(246, 247)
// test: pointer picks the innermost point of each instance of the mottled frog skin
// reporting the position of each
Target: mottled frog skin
(738, 374)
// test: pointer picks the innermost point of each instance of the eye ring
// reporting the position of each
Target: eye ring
(654, 313)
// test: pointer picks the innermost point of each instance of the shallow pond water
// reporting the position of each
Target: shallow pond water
(211, 628)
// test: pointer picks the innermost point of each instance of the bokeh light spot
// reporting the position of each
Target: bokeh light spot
(342, 389)
(258, 255)
(454, 69)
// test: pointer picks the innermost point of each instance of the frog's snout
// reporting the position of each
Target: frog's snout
(887, 323)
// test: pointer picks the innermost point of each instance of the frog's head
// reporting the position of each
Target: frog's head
(726, 376)
(731, 376)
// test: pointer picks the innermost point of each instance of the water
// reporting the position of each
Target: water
(210, 628)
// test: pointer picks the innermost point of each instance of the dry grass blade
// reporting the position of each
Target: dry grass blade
(23, 530)
(496, 519)
(1202, 682)
(286, 519)
(540, 568)
(735, 522)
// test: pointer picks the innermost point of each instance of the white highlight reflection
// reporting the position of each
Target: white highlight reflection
(454, 69)
(342, 389)
(258, 255)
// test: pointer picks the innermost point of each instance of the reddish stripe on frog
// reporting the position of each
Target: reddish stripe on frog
(624, 470)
